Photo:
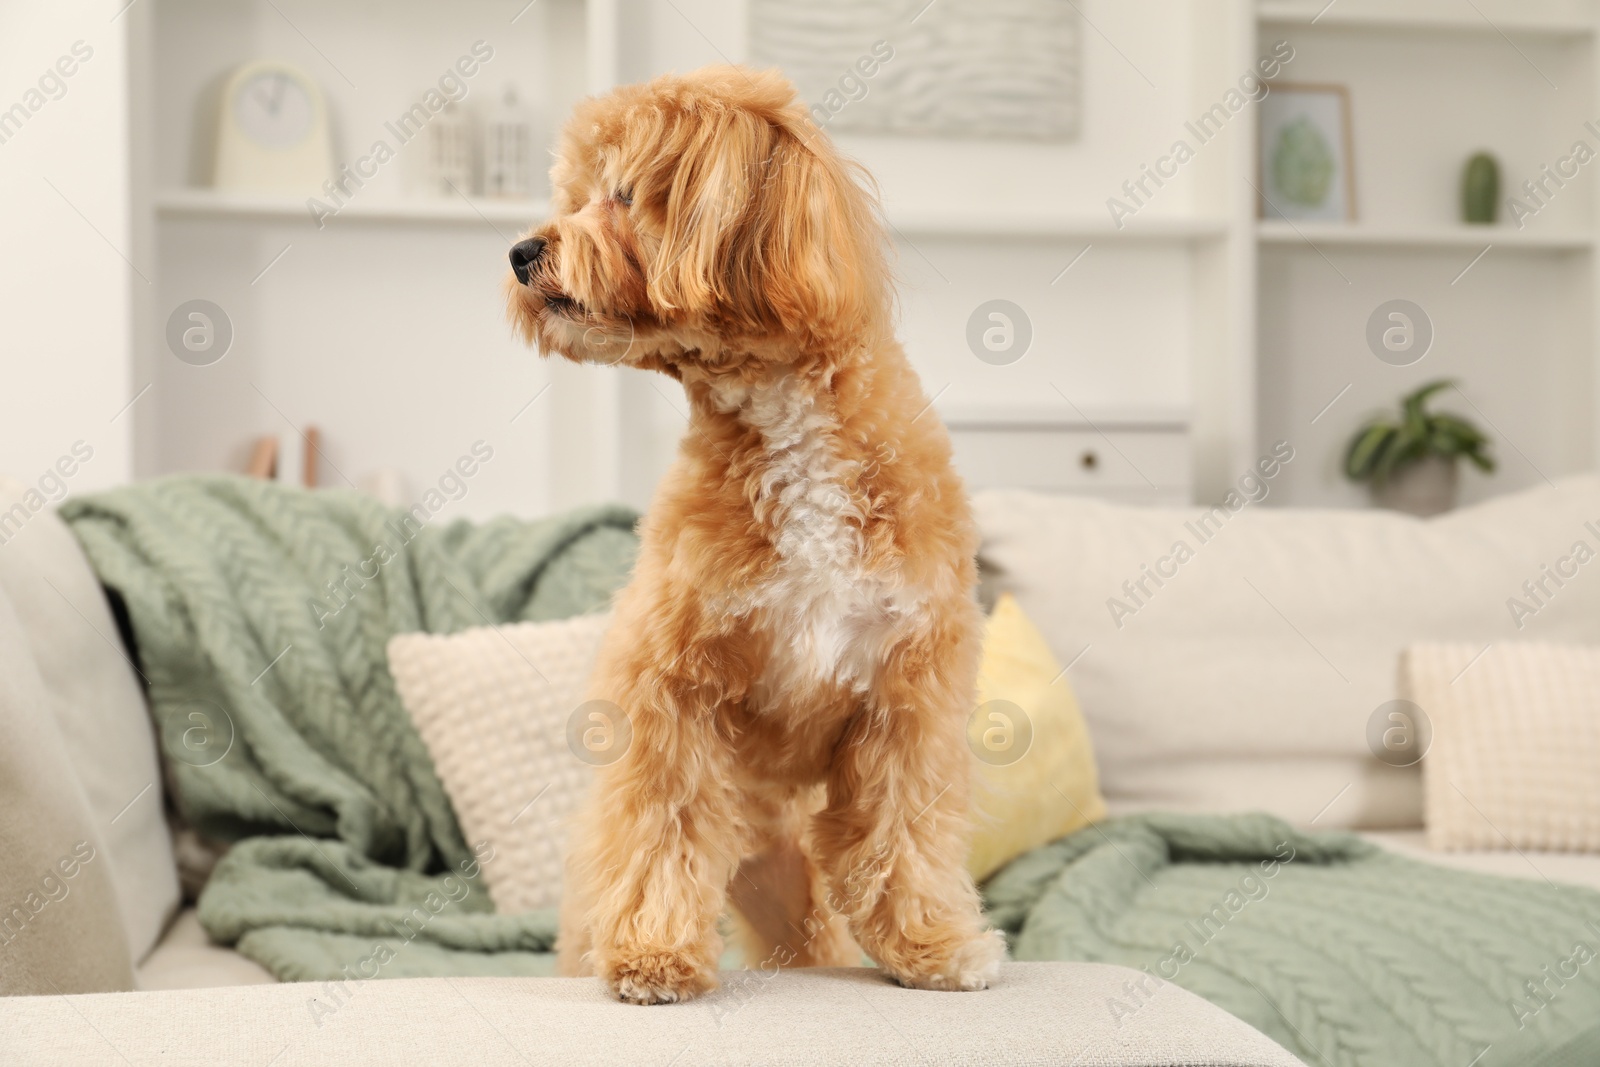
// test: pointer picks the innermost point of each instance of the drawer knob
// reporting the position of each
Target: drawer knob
(1089, 461)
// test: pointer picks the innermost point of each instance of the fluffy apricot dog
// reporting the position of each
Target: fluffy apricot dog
(797, 649)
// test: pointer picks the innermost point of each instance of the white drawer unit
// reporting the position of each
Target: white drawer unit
(1130, 455)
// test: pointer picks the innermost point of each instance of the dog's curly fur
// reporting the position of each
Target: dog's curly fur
(797, 648)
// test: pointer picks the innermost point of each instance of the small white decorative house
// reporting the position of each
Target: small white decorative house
(508, 157)
(450, 153)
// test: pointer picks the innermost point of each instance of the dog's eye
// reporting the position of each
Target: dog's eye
(624, 197)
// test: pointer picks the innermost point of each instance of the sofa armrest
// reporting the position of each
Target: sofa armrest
(1037, 1013)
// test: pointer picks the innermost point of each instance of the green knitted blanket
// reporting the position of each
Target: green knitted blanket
(260, 615)
(1341, 952)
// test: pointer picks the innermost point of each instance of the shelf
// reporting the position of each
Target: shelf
(1559, 19)
(927, 222)
(211, 204)
(1277, 231)
(1062, 416)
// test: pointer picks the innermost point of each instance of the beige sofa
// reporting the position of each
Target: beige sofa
(1246, 678)
(121, 971)
(1213, 694)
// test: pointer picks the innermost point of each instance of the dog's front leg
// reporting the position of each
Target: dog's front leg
(894, 833)
(650, 868)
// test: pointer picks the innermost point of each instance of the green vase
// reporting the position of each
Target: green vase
(1480, 189)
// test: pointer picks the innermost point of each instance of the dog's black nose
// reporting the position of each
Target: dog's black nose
(524, 254)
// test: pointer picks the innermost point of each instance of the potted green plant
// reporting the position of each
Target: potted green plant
(1411, 464)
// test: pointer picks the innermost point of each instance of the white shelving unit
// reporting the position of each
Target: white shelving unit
(385, 326)
(1141, 332)
(1175, 348)
(324, 315)
(1512, 310)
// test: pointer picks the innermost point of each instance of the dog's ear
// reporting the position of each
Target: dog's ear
(767, 224)
(812, 242)
(710, 189)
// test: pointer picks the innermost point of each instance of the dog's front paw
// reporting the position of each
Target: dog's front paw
(658, 977)
(971, 965)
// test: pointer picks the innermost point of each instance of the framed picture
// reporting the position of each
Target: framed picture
(1306, 167)
(955, 68)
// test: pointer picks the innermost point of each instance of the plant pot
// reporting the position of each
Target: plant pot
(1426, 487)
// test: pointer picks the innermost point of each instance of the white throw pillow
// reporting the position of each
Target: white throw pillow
(99, 708)
(493, 705)
(1515, 759)
(1248, 678)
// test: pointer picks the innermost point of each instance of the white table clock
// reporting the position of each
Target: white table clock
(272, 131)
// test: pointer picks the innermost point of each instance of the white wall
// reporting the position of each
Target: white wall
(65, 284)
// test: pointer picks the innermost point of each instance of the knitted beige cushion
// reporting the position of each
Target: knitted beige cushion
(493, 705)
(1516, 744)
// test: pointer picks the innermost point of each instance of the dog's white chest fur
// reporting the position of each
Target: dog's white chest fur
(829, 619)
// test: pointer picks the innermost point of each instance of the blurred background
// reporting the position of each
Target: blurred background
(1140, 242)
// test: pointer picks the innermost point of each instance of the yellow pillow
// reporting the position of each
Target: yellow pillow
(1034, 779)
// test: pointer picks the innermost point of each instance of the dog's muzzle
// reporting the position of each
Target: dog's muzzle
(525, 256)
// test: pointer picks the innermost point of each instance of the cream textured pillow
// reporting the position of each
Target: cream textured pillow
(493, 706)
(1515, 761)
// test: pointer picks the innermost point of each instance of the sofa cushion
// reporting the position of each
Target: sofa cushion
(1034, 779)
(1569, 868)
(499, 709)
(96, 700)
(1515, 749)
(1233, 659)
(1037, 1013)
(60, 928)
(187, 958)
